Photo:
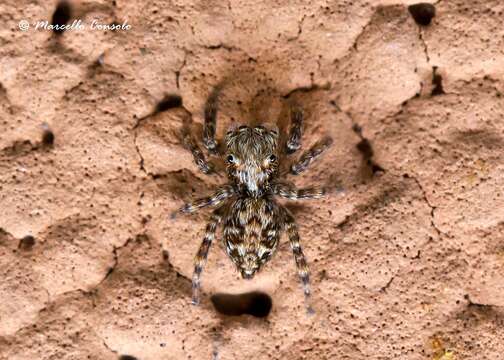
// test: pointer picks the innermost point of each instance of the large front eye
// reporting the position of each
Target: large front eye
(272, 158)
(230, 159)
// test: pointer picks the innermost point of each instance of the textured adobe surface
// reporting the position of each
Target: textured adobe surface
(408, 263)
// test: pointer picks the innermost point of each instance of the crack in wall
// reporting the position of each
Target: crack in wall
(229, 48)
(363, 31)
(432, 207)
(424, 44)
(230, 9)
(387, 285)
(300, 29)
(179, 70)
(307, 89)
(141, 163)
(471, 303)
(84, 292)
(364, 146)
(354, 47)
(105, 344)
(4, 96)
(222, 46)
(135, 137)
(115, 262)
(45, 308)
(170, 101)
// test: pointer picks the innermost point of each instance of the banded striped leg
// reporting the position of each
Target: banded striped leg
(210, 125)
(199, 159)
(301, 264)
(202, 254)
(295, 133)
(217, 198)
(291, 192)
(310, 155)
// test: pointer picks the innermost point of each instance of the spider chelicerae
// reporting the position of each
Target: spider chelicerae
(252, 220)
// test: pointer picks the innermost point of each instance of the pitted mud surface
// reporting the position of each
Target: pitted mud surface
(407, 262)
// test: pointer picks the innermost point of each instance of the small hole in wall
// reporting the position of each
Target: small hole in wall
(61, 16)
(166, 255)
(169, 102)
(27, 242)
(422, 13)
(364, 146)
(254, 303)
(127, 357)
(437, 83)
(48, 137)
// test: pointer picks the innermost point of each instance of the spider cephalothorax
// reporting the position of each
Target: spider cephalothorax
(252, 159)
(252, 219)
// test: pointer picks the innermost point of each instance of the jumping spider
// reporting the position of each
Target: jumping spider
(253, 221)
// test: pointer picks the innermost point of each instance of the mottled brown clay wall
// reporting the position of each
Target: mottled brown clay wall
(407, 263)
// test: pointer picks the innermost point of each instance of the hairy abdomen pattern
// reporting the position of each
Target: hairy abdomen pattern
(251, 232)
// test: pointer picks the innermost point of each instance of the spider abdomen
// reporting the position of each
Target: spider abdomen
(251, 233)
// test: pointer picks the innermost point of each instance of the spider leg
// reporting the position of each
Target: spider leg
(310, 155)
(202, 254)
(299, 257)
(295, 133)
(211, 108)
(291, 192)
(199, 159)
(213, 200)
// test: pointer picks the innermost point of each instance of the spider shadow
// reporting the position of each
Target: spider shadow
(297, 208)
(245, 91)
(386, 196)
(182, 184)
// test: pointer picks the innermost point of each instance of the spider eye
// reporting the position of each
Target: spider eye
(272, 158)
(230, 159)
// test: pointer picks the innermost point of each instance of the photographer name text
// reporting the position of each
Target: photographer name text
(77, 25)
